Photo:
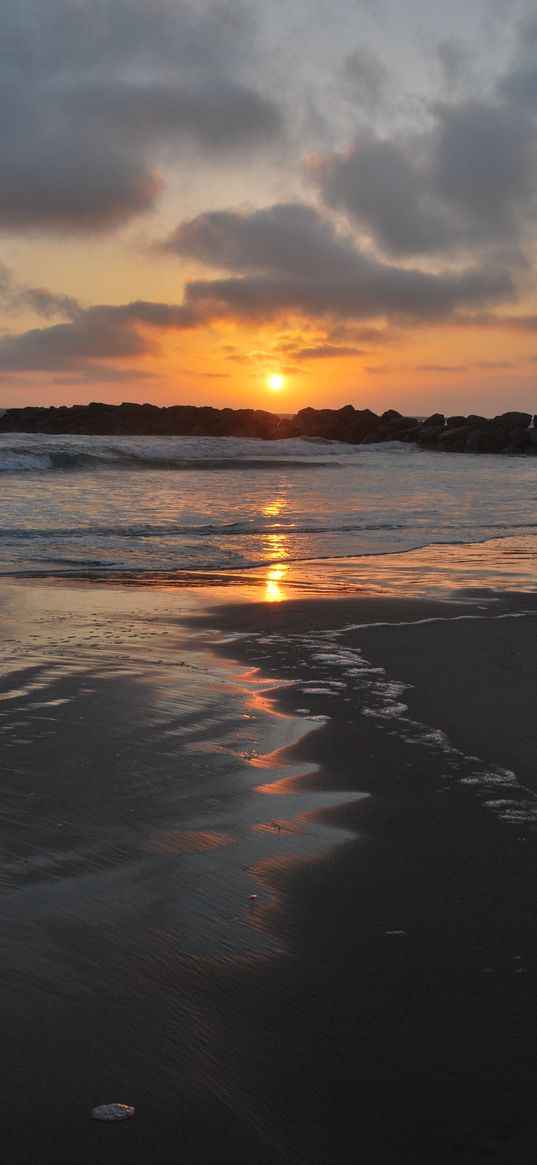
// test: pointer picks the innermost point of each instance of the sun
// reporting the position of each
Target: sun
(275, 381)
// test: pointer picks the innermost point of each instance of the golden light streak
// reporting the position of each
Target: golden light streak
(274, 592)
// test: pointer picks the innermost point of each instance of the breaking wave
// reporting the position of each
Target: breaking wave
(47, 454)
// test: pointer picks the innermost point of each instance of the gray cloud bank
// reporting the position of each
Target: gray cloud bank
(91, 93)
(281, 261)
(463, 180)
(439, 219)
(470, 181)
(293, 260)
(90, 335)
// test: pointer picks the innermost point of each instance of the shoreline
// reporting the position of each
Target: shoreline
(446, 571)
(376, 998)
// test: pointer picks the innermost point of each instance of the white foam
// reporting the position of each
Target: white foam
(388, 709)
(517, 812)
(388, 712)
(500, 777)
(317, 691)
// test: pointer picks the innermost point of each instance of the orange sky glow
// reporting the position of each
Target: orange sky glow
(202, 199)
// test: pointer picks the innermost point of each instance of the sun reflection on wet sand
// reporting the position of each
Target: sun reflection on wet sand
(274, 591)
(276, 547)
(188, 841)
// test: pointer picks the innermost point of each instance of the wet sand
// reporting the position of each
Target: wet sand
(376, 1001)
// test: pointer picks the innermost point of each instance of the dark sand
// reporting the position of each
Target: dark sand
(377, 1004)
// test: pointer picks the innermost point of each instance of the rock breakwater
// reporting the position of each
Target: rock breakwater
(510, 432)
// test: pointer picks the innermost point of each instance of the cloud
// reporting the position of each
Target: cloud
(519, 84)
(16, 297)
(366, 81)
(456, 61)
(46, 303)
(465, 182)
(105, 374)
(102, 332)
(279, 262)
(217, 113)
(484, 166)
(284, 238)
(495, 364)
(384, 186)
(292, 260)
(63, 345)
(92, 93)
(327, 352)
(497, 321)
(440, 367)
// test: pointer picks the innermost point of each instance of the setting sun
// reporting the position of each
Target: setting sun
(275, 381)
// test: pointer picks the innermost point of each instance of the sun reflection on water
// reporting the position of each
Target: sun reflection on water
(276, 548)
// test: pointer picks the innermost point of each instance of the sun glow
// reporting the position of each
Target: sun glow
(275, 381)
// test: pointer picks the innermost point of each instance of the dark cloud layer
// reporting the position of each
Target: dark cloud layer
(287, 237)
(519, 85)
(91, 92)
(293, 260)
(365, 81)
(471, 181)
(465, 180)
(103, 332)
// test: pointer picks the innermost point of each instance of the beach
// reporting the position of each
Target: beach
(268, 583)
(268, 875)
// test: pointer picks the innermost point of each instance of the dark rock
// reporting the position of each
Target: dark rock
(332, 424)
(508, 432)
(435, 421)
(513, 420)
(408, 435)
(452, 434)
(399, 424)
(455, 446)
(428, 434)
(487, 439)
(286, 428)
(519, 438)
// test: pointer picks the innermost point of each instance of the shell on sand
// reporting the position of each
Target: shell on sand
(112, 1112)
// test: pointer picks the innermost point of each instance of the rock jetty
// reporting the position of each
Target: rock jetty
(511, 432)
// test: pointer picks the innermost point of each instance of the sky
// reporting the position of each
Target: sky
(235, 203)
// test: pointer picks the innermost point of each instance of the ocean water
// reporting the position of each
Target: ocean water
(175, 506)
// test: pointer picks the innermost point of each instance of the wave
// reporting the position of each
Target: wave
(28, 461)
(228, 529)
(220, 566)
(251, 528)
(35, 453)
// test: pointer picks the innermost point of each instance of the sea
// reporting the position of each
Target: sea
(301, 513)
